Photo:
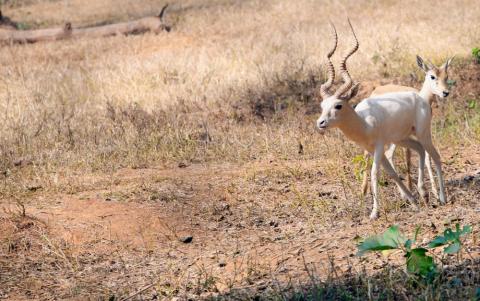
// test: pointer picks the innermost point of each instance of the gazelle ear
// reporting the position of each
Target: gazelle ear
(351, 93)
(447, 63)
(354, 91)
(422, 64)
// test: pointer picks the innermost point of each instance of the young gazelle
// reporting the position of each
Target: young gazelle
(376, 122)
(435, 83)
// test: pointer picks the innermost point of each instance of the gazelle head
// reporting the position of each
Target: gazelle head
(436, 77)
(335, 105)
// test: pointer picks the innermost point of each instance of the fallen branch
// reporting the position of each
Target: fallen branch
(7, 23)
(148, 24)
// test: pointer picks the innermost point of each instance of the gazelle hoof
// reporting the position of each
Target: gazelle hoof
(422, 192)
(410, 198)
(374, 215)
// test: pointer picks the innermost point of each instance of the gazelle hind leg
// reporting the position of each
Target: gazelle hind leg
(417, 146)
(431, 176)
(366, 157)
(391, 172)
(408, 160)
(432, 151)
(389, 155)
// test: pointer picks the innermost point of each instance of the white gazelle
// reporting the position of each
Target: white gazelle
(379, 121)
(435, 83)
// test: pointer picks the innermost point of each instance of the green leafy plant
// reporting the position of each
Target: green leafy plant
(476, 54)
(451, 239)
(361, 163)
(418, 262)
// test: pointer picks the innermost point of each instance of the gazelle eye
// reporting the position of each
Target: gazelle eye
(338, 107)
(432, 77)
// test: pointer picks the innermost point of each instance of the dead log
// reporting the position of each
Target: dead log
(7, 23)
(148, 24)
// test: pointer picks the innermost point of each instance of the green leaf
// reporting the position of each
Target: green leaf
(358, 159)
(419, 263)
(466, 230)
(449, 234)
(408, 245)
(438, 241)
(453, 248)
(476, 54)
(390, 239)
(476, 51)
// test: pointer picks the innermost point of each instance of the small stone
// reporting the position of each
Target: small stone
(273, 223)
(186, 239)
(34, 187)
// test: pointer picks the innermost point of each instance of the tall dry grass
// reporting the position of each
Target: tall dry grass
(191, 94)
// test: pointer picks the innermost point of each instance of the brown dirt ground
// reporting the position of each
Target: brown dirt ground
(247, 224)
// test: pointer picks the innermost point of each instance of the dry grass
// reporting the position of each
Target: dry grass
(131, 101)
(234, 82)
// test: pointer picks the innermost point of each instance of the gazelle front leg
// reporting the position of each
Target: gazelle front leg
(377, 157)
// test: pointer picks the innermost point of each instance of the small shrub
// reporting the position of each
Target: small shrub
(476, 54)
(417, 262)
(451, 239)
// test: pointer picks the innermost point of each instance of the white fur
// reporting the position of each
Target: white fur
(435, 83)
(379, 121)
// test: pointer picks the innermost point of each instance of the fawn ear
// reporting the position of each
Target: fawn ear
(424, 66)
(447, 63)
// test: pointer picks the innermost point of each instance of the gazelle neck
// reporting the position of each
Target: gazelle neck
(354, 127)
(426, 92)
